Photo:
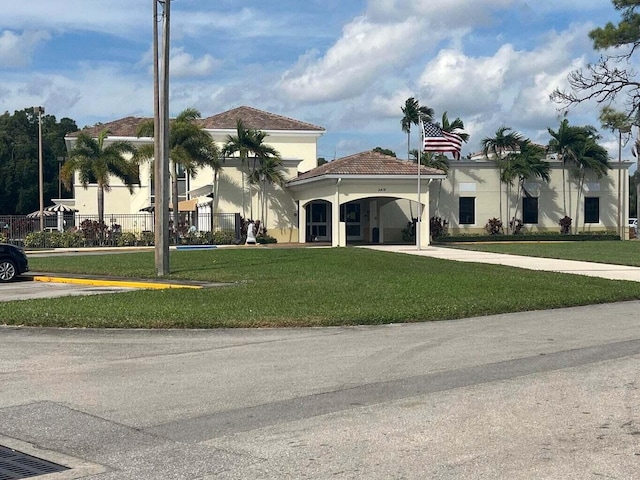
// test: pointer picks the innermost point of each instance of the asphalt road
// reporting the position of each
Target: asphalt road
(551, 394)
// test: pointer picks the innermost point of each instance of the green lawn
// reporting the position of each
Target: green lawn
(305, 287)
(616, 252)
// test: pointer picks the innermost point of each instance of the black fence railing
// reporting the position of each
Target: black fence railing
(77, 230)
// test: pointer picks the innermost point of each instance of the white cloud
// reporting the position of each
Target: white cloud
(183, 64)
(16, 50)
(364, 51)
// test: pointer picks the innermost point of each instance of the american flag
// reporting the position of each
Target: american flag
(436, 140)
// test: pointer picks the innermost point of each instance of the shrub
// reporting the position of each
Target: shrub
(494, 226)
(224, 237)
(565, 225)
(438, 227)
(515, 226)
(265, 239)
(126, 239)
(409, 232)
(147, 238)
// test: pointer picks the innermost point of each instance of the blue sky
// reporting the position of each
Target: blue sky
(347, 66)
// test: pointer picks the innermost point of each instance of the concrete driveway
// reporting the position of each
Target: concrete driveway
(551, 394)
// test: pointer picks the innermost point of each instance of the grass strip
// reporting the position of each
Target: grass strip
(305, 287)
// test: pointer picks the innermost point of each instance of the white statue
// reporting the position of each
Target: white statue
(251, 233)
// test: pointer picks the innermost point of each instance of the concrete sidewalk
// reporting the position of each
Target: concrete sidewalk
(591, 269)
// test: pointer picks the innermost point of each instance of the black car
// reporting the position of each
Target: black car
(13, 262)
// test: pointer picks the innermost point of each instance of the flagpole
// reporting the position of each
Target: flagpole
(419, 210)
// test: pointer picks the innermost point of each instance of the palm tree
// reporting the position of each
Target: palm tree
(265, 156)
(239, 143)
(457, 127)
(528, 162)
(95, 162)
(413, 115)
(591, 158)
(564, 142)
(495, 148)
(190, 147)
(267, 173)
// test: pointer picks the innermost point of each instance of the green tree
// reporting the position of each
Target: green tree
(565, 142)
(267, 173)
(190, 148)
(496, 148)
(413, 114)
(591, 159)
(457, 127)
(246, 142)
(96, 161)
(525, 163)
(611, 76)
(19, 192)
(385, 151)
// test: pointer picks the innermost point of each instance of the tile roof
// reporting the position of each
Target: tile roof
(257, 119)
(125, 127)
(367, 163)
(251, 117)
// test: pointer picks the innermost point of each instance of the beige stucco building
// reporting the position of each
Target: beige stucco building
(367, 197)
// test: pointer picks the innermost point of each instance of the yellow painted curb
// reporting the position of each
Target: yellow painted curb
(112, 283)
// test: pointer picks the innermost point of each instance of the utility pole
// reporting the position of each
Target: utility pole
(40, 111)
(161, 137)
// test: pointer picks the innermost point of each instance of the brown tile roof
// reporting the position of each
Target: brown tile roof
(251, 117)
(257, 119)
(125, 127)
(367, 163)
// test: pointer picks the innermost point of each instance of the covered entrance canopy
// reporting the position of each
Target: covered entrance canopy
(332, 195)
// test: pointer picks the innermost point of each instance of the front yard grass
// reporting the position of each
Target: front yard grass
(305, 287)
(614, 251)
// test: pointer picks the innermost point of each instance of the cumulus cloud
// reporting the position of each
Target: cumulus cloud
(364, 51)
(183, 64)
(16, 49)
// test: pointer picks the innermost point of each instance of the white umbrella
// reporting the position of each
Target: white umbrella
(36, 214)
(60, 210)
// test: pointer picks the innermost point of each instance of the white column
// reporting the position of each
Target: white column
(302, 223)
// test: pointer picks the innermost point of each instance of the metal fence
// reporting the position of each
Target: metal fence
(77, 230)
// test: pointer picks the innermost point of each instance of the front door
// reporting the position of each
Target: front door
(350, 213)
(318, 221)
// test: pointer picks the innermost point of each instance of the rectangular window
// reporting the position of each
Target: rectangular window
(467, 210)
(530, 210)
(592, 210)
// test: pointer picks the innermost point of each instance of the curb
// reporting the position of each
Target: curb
(112, 283)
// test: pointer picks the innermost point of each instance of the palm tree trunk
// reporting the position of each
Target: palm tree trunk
(408, 159)
(174, 199)
(101, 214)
(564, 192)
(580, 186)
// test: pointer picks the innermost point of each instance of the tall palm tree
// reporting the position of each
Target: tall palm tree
(592, 159)
(190, 147)
(565, 142)
(240, 144)
(457, 127)
(528, 162)
(413, 114)
(267, 173)
(265, 159)
(495, 148)
(96, 162)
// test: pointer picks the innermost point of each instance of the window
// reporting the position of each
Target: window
(467, 210)
(530, 210)
(592, 210)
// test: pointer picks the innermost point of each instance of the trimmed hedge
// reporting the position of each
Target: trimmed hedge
(533, 237)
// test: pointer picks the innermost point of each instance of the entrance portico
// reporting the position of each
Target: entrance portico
(341, 201)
